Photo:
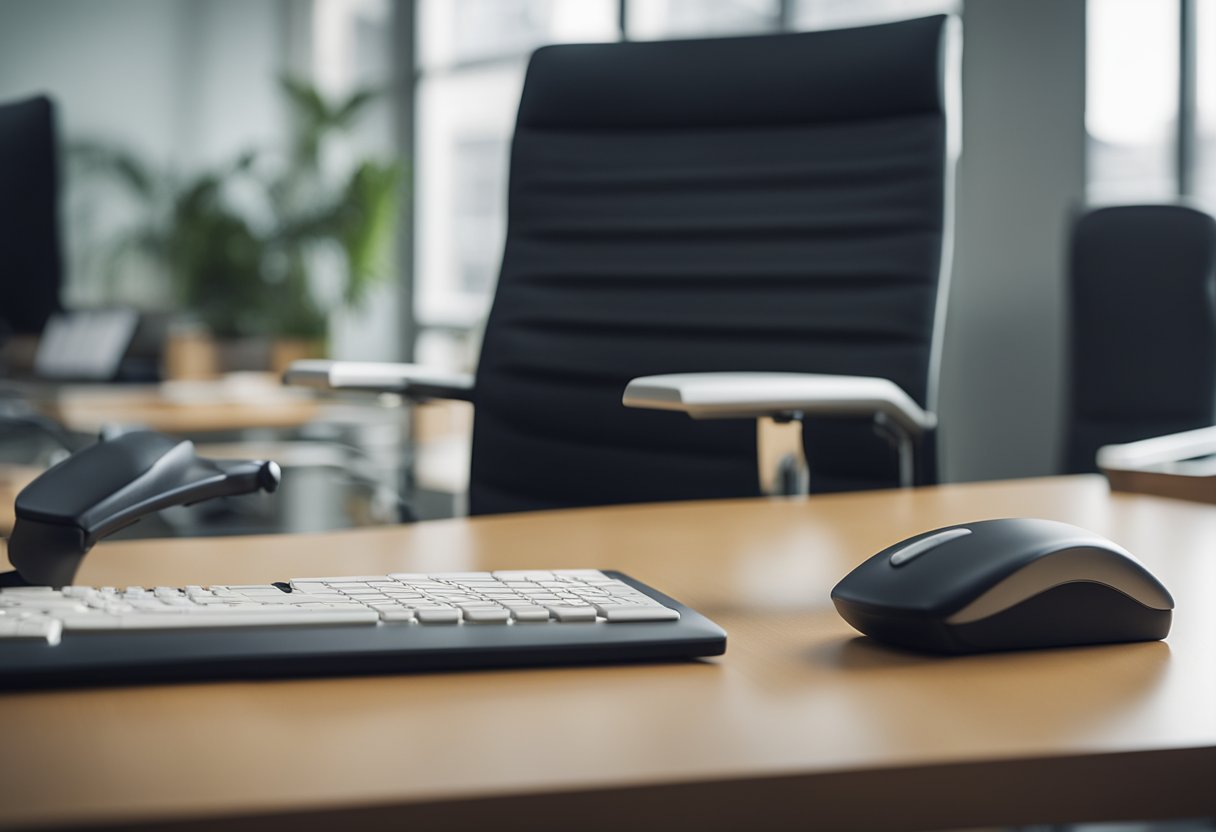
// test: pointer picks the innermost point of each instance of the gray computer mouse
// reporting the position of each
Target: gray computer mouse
(1004, 585)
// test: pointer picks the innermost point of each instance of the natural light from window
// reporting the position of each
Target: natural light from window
(1132, 101)
(1205, 71)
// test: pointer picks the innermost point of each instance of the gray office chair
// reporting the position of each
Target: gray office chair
(775, 204)
(1142, 357)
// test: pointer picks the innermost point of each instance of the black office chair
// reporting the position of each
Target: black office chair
(774, 203)
(1143, 327)
(29, 222)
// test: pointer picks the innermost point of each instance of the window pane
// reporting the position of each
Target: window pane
(1205, 175)
(1131, 109)
(837, 14)
(462, 31)
(655, 19)
(464, 129)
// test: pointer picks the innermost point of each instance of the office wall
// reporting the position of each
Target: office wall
(187, 84)
(145, 75)
(1021, 174)
(88, 54)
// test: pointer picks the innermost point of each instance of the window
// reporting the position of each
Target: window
(1130, 115)
(1205, 99)
(836, 14)
(1151, 90)
(655, 19)
(472, 56)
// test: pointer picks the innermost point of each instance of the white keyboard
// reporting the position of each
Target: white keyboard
(507, 598)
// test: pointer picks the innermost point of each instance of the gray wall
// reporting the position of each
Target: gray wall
(1021, 173)
(150, 73)
(186, 84)
(145, 75)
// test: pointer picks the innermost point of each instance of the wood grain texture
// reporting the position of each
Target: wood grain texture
(800, 719)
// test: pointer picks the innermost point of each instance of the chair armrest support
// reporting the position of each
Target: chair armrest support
(778, 395)
(412, 380)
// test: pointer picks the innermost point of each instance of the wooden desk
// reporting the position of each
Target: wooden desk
(801, 724)
(179, 408)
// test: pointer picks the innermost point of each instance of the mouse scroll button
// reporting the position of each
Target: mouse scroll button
(923, 545)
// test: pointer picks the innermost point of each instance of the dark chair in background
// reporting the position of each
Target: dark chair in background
(31, 269)
(774, 203)
(1143, 327)
(31, 265)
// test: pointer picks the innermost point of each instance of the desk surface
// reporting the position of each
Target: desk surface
(801, 719)
(250, 402)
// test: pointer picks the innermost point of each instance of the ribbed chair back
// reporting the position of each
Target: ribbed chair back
(756, 203)
(1143, 327)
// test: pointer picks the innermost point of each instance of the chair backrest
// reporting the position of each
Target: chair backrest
(30, 260)
(1143, 327)
(757, 203)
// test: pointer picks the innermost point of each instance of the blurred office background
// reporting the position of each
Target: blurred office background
(1065, 103)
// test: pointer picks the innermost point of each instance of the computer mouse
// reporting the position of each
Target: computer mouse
(1005, 584)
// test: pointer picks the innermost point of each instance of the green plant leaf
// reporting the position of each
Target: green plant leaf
(368, 218)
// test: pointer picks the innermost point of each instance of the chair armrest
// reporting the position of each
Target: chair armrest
(754, 395)
(412, 380)
(1160, 452)
(1178, 465)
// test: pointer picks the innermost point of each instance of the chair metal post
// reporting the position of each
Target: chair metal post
(781, 454)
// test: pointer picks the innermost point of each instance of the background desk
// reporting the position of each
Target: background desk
(801, 724)
(342, 460)
(180, 408)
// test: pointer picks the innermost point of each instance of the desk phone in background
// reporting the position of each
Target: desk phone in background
(55, 633)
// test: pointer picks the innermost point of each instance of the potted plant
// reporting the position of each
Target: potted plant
(239, 244)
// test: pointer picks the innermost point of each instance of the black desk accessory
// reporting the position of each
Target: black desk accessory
(1004, 585)
(110, 485)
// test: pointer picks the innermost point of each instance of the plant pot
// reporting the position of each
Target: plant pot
(283, 351)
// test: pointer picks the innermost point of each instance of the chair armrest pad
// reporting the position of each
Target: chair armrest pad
(1149, 454)
(413, 380)
(753, 395)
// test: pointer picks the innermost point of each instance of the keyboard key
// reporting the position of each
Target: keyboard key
(567, 614)
(530, 614)
(486, 615)
(437, 615)
(31, 629)
(579, 573)
(236, 618)
(338, 579)
(50, 604)
(648, 613)
(308, 586)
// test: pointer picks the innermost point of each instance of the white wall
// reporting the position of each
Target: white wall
(1021, 173)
